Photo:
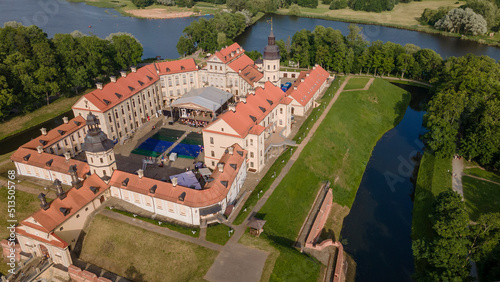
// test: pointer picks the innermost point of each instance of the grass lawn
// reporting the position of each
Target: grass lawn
(480, 197)
(433, 178)
(26, 204)
(141, 255)
(174, 227)
(403, 14)
(20, 123)
(476, 171)
(356, 83)
(339, 152)
(278, 165)
(218, 234)
(263, 186)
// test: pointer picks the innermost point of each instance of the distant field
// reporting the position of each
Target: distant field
(142, 255)
(406, 14)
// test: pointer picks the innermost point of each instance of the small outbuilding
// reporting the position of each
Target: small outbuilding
(256, 226)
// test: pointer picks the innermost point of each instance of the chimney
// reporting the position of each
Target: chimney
(65, 119)
(67, 155)
(174, 181)
(98, 85)
(43, 130)
(302, 80)
(133, 68)
(231, 150)
(43, 201)
(75, 181)
(140, 173)
(314, 67)
(39, 149)
(307, 74)
(123, 73)
(237, 51)
(295, 88)
(112, 78)
(220, 166)
(243, 99)
(60, 192)
(232, 107)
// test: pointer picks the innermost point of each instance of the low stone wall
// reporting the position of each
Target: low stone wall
(78, 275)
(320, 220)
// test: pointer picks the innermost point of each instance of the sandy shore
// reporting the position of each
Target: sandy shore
(159, 14)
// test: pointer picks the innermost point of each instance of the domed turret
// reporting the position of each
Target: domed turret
(96, 140)
(99, 149)
(271, 60)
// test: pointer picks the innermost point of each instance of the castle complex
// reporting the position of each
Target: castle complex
(241, 133)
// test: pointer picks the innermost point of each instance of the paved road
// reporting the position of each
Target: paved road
(458, 169)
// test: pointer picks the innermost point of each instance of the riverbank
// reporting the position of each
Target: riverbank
(337, 153)
(155, 11)
(403, 16)
(37, 117)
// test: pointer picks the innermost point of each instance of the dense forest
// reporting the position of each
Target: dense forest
(447, 256)
(34, 68)
(211, 34)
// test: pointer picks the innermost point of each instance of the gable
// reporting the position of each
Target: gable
(85, 104)
(219, 124)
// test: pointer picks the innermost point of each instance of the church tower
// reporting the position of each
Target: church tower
(99, 149)
(271, 60)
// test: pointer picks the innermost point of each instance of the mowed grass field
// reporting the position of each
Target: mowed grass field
(26, 204)
(338, 151)
(356, 83)
(405, 14)
(481, 196)
(218, 234)
(140, 255)
(433, 179)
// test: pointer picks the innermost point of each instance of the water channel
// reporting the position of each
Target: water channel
(377, 231)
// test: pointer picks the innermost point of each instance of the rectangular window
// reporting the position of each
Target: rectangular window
(211, 140)
(251, 142)
(251, 155)
(212, 153)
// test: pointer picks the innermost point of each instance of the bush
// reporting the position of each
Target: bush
(166, 2)
(326, 2)
(185, 3)
(308, 3)
(294, 10)
(142, 3)
(338, 4)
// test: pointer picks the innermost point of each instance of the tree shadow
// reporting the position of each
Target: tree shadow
(134, 274)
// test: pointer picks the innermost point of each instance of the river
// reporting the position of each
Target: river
(377, 231)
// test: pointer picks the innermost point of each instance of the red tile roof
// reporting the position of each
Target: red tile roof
(75, 200)
(114, 93)
(225, 54)
(240, 63)
(251, 113)
(213, 192)
(251, 74)
(305, 90)
(58, 163)
(177, 66)
(57, 134)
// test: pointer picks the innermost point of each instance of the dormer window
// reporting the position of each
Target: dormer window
(49, 163)
(106, 101)
(182, 196)
(131, 88)
(118, 95)
(168, 69)
(140, 82)
(183, 68)
(27, 157)
(61, 132)
(224, 183)
(125, 182)
(64, 211)
(94, 189)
